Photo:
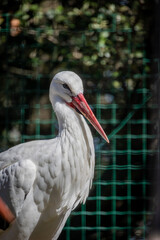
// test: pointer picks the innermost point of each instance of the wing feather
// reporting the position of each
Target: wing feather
(16, 180)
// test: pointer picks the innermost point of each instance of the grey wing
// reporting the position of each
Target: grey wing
(16, 181)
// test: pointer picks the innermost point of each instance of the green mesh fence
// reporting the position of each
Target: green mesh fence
(119, 203)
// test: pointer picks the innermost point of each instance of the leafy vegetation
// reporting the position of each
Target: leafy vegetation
(106, 43)
(103, 41)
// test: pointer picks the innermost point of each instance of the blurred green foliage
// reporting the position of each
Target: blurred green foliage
(103, 41)
(82, 37)
(107, 44)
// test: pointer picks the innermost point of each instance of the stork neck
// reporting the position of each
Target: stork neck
(68, 119)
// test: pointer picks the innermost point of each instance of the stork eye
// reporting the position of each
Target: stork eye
(66, 86)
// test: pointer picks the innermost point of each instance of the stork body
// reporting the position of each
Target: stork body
(42, 181)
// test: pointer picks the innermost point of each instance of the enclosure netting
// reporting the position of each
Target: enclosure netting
(118, 206)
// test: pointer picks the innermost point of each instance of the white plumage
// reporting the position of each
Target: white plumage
(42, 181)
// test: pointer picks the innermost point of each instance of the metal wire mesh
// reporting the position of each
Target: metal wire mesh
(118, 205)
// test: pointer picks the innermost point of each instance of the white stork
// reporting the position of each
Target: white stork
(41, 182)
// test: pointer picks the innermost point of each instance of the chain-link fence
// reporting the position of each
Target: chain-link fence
(119, 203)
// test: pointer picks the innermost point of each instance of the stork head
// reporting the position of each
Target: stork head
(69, 87)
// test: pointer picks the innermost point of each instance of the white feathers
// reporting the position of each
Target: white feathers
(16, 182)
(43, 181)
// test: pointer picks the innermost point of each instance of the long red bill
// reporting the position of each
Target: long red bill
(81, 104)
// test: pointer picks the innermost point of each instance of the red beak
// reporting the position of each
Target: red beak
(81, 104)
